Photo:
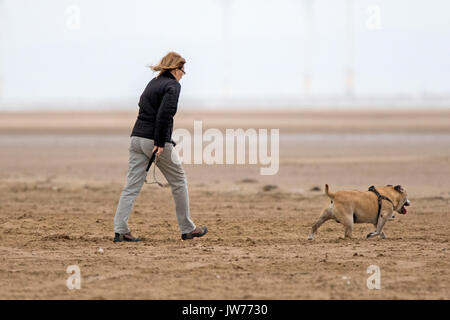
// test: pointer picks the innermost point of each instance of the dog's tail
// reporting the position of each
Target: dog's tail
(329, 194)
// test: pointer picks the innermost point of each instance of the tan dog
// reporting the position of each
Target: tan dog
(349, 207)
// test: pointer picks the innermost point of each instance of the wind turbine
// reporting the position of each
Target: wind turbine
(349, 47)
(308, 46)
(226, 86)
(2, 47)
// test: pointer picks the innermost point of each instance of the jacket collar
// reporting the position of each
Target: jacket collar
(168, 74)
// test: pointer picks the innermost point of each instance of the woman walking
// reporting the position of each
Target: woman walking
(153, 131)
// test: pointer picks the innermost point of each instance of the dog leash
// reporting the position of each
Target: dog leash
(154, 158)
(380, 198)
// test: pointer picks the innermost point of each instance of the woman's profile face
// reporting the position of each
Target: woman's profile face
(179, 73)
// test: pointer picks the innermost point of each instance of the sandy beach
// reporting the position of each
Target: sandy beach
(61, 174)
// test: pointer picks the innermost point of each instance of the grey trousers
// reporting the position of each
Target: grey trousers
(169, 164)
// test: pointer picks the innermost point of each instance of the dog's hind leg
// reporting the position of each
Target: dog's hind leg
(348, 227)
(344, 214)
(327, 214)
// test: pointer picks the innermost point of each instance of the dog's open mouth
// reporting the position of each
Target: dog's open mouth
(403, 209)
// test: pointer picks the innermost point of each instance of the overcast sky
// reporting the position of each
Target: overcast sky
(400, 47)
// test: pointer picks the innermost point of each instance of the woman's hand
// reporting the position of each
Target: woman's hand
(160, 150)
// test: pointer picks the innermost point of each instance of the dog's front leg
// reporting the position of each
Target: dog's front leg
(372, 234)
(381, 221)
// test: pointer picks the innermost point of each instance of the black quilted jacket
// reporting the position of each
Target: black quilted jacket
(157, 107)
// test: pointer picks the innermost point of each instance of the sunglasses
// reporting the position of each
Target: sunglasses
(182, 71)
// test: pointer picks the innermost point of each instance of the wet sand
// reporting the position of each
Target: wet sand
(61, 175)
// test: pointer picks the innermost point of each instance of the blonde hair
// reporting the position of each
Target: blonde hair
(170, 61)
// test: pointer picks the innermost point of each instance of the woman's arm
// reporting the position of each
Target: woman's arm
(166, 112)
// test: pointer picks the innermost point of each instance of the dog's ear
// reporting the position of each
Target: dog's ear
(389, 185)
(399, 188)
